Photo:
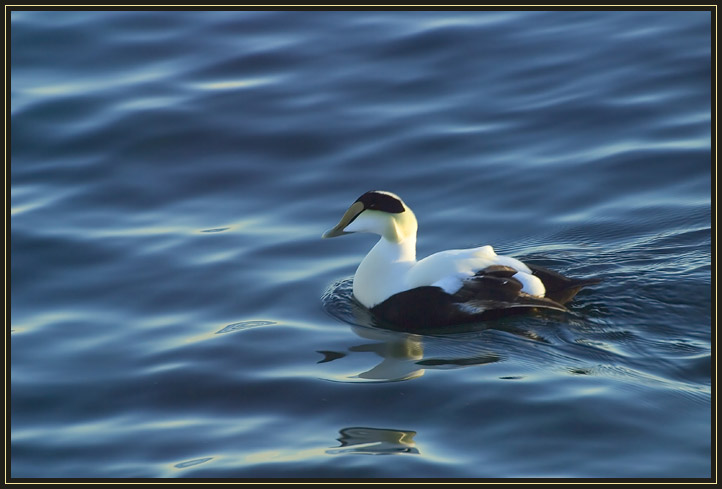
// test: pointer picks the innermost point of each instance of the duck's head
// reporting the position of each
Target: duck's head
(377, 212)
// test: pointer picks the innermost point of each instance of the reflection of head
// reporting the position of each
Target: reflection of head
(399, 352)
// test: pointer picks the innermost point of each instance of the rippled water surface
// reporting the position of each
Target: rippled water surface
(174, 312)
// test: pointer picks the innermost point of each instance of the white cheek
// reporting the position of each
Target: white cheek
(366, 223)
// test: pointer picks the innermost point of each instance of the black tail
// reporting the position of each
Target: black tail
(558, 287)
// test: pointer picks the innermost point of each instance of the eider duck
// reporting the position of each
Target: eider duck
(447, 288)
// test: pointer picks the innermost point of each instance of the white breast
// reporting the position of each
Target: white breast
(382, 273)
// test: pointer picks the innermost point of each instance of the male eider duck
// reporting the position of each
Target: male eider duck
(447, 288)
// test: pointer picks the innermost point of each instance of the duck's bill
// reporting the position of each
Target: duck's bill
(332, 233)
(350, 215)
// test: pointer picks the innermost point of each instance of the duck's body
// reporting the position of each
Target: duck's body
(449, 287)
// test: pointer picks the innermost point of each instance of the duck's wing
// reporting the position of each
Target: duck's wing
(451, 269)
(496, 287)
(490, 293)
(451, 266)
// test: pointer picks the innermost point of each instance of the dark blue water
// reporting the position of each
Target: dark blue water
(174, 312)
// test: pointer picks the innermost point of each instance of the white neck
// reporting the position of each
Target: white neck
(382, 272)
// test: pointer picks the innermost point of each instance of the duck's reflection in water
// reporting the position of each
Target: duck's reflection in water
(406, 356)
(374, 441)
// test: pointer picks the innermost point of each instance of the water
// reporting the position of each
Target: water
(174, 312)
